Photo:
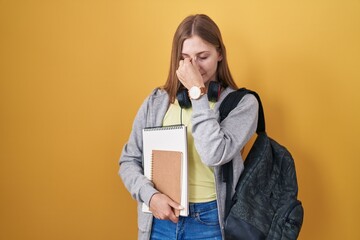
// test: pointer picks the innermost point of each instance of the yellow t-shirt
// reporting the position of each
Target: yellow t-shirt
(201, 177)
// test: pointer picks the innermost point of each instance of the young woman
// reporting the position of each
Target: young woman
(198, 63)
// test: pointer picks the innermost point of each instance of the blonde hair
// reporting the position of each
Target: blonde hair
(204, 27)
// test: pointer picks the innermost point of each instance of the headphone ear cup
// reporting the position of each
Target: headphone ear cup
(214, 91)
(183, 98)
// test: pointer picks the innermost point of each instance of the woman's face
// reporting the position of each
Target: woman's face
(204, 54)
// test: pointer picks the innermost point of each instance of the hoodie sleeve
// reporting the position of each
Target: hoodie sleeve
(131, 169)
(218, 143)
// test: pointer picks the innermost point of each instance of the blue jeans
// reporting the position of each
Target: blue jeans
(202, 223)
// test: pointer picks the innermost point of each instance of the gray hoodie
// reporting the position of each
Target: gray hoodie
(216, 144)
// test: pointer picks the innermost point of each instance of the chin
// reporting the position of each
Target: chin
(206, 79)
(206, 82)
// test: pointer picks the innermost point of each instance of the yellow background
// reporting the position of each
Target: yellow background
(73, 74)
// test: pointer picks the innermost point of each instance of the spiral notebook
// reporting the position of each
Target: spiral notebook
(165, 162)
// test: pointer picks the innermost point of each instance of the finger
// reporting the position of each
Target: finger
(175, 205)
(174, 218)
(179, 75)
(187, 60)
(177, 212)
(167, 214)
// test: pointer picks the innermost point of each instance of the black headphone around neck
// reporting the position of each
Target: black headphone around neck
(213, 93)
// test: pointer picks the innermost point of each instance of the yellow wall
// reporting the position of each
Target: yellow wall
(73, 74)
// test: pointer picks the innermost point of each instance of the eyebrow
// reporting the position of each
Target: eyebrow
(185, 54)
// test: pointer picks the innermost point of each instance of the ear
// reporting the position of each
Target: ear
(220, 57)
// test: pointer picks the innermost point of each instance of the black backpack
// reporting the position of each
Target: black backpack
(265, 204)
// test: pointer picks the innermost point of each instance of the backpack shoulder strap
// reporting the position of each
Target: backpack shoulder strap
(233, 99)
(228, 104)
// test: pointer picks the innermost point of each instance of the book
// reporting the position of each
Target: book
(171, 140)
(166, 173)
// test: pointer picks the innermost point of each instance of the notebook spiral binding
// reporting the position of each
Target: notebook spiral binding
(170, 127)
(152, 167)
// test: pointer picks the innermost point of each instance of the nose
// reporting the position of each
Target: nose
(196, 60)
